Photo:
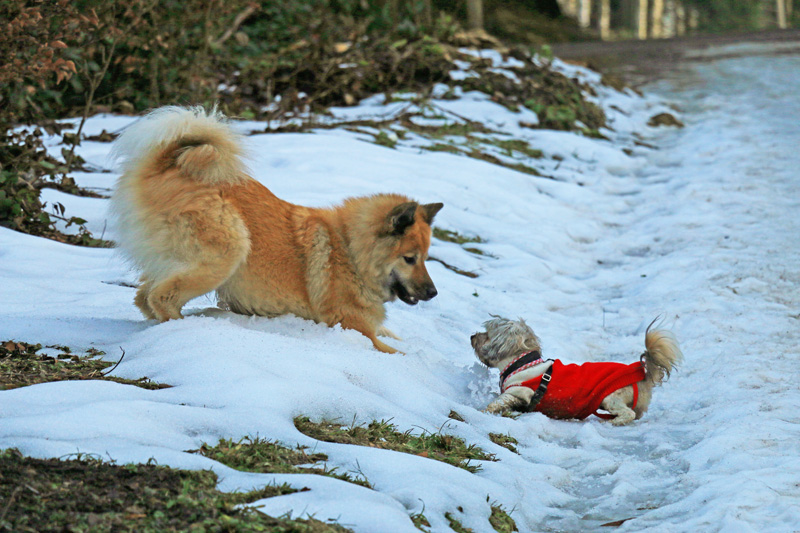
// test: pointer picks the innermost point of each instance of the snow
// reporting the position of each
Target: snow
(703, 230)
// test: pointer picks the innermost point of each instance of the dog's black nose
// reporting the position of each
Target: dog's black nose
(430, 292)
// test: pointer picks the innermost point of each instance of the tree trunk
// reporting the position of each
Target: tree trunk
(571, 7)
(694, 18)
(668, 28)
(657, 28)
(585, 16)
(641, 25)
(604, 22)
(475, 14)
(781, 13)
(680, 18)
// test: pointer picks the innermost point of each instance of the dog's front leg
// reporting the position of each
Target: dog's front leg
(365, 328)
(383, 331)
(515, 399)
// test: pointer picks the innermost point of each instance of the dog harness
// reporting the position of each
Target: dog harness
(571, 391)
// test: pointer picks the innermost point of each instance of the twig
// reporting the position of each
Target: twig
(94, 83)
(241, 17)
(8, 504)
(115, 366)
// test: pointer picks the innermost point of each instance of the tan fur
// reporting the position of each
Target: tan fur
(504, 340)
(193, 221)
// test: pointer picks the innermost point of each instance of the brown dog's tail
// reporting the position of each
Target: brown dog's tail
(662, 354)
(199, 143)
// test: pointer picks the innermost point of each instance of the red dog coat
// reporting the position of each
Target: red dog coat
(576, 391)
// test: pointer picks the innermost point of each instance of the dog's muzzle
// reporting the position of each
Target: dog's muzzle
(399, 290)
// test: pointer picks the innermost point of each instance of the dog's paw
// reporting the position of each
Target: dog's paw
(495, 409)
(623, 419)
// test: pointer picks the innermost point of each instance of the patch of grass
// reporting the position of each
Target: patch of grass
(506, 441)
(455, 525)
(420, 522)
(501, 521)
(454, 236)
(21, 366)
(516, 145)
(264, 456)
(384, 139)
(455, 269)
(489, 158)
(440, 147)
(438, 446)
(85, 494)
(440, 131)
(454, 415)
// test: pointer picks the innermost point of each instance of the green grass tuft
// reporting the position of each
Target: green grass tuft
(453, 236)
(261, 455)
(455, 525)
(438, 446)
(420, 522)
(501, 521)
(506, 441)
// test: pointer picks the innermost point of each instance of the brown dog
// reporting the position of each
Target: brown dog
(192, 220)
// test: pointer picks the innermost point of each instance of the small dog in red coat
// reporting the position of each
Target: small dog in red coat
(530, 383)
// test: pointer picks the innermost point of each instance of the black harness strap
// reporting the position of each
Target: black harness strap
(541, 389)
(529, 357)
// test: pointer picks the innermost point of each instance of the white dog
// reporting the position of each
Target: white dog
(529, 383)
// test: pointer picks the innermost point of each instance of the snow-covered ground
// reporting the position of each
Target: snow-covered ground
(703, 228)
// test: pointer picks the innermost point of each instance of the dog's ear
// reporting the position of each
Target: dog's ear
(401, 218)
(429, 211)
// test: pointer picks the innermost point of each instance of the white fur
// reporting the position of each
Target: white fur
(159, 128)
(132, 149)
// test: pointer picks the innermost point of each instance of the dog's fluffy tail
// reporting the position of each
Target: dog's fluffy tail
(197, 142)
(662, 354)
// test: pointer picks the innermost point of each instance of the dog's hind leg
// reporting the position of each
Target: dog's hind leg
(207, 247)
(616, 404)
(141, 298)
(168, 297)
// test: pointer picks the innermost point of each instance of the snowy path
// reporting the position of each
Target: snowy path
(717, 223)
(703, 229)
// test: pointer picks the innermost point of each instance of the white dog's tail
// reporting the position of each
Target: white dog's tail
(662, 354)
(197, 142)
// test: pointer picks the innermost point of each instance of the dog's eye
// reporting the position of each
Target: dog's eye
(411, 260)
